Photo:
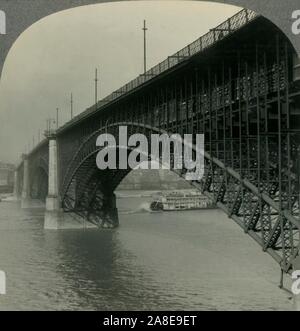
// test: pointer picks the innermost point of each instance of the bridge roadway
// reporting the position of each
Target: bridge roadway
(239, 85)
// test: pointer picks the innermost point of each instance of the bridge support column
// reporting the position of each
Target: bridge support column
(16, 185)
(53, 212)
(25, 202)
(110, 218)
(296, 71)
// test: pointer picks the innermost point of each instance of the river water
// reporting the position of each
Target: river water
(190, 260)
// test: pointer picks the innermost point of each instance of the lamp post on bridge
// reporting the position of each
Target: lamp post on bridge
(57, 110)
(48, 125)
(71, 106)
(96, 87)
(145, 48)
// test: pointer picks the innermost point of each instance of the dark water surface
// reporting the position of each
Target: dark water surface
(191, 260)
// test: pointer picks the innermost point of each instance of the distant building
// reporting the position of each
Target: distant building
(6, 177)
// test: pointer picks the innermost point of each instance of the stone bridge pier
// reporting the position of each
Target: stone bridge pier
(24, 182)
(26, 200)
(53, 211)
(16, 186)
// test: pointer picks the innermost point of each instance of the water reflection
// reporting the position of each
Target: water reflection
(187, 260)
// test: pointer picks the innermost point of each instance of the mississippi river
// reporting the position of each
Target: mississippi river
(190, 260)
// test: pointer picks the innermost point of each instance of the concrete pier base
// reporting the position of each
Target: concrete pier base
(59, 220)
(109, 215)
(52, 203)
(53, 214)
(53, 219)
(110, 220)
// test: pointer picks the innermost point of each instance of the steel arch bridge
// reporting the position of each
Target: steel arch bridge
(239, 86)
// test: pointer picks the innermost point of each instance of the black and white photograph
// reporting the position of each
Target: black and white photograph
(149, 158)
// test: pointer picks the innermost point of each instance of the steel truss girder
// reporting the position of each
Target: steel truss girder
(257, 212)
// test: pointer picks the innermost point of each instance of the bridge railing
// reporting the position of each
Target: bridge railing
(229, 26)
(221, 31)
(226, 28)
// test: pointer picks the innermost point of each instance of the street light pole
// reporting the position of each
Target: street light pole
(57, 118)
(48, 121)
(145, 50)
(71, 105)
(96, 87)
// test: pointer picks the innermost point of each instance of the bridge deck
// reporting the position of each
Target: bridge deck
(213, 37)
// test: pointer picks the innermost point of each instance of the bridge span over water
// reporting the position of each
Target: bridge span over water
(239, 85)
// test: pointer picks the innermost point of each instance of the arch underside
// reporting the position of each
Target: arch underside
(39, 178)
(20, 180)
(39, 185)
(254, 203)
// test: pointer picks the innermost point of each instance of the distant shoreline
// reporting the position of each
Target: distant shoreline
(143, 193)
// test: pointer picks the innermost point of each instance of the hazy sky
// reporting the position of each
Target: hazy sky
(58, 55)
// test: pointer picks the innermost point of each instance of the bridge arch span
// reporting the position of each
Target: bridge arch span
(258, 214)
(84, 185)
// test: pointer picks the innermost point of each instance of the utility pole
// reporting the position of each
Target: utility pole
(96, 87)
(57, 118)
(48, 121)
(145, 50)
(71, 105)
